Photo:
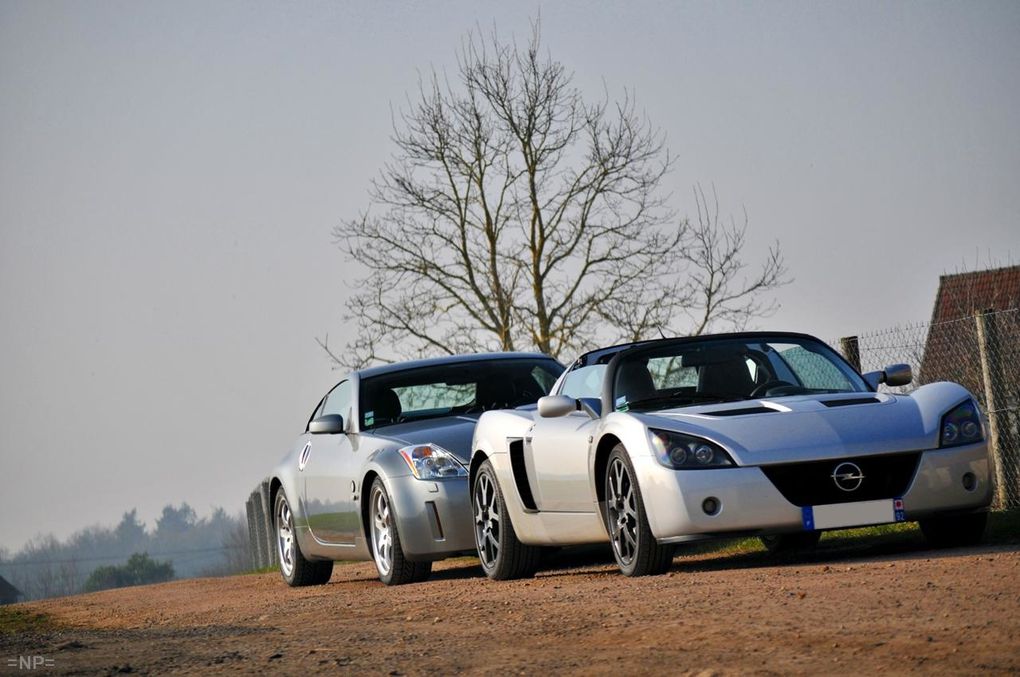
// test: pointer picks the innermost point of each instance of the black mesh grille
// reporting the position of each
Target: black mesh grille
(811, 483)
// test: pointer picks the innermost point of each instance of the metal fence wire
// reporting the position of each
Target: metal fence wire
(980, 352)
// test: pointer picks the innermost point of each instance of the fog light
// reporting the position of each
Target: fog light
(711, 506)
(969, 481)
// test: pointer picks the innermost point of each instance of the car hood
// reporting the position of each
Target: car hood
(779, 430)
(452, 433)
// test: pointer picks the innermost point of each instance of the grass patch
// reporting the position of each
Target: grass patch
(1003, 529)
(16, 620)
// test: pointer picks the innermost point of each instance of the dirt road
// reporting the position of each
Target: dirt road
(897, 608)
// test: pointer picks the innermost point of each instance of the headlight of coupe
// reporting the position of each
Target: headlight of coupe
(432, 462)
(685, 452)
(962, 425)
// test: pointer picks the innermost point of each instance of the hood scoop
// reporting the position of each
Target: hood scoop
(743, 411)
(850, 401)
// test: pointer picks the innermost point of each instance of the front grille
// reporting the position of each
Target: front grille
(811, 483)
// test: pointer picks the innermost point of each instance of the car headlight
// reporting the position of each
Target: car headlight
(962, 425)
(431, 462)
(685, 452)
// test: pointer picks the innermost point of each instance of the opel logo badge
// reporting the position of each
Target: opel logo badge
(848, 476)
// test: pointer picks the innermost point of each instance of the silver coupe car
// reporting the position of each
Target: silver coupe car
(380, 470)
(770, 434)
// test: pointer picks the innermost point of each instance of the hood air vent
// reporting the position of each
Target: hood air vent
(850, 402)
(741, 412)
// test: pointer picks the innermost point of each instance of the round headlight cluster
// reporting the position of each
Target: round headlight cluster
(703, 454)
(682, 452)
(962, 425)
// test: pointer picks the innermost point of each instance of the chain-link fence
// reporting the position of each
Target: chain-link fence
(981, 352)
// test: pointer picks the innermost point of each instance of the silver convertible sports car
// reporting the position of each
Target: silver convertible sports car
(770, 434)
(380, 470)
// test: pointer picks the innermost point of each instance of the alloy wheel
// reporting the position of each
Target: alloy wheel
(621, 509)
(382, 531)
(285, 538)
(486, 520)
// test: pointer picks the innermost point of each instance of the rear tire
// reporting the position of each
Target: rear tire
(950, 531)
(295, 568)
(502, 555)
(634, 547)
(393, 566)
(779, 543)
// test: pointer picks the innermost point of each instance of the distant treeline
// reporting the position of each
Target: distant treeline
(181, 543)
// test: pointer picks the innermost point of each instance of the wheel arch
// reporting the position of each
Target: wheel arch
(274, 491)
(606, 445)
(477, 459)
(366, 500)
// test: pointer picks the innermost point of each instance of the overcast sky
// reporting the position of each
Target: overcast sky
(170, 174)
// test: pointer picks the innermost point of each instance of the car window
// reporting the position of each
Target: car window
(338, 401)
(435, 395)
(584, 382)
(667, 372)
(544, 378)
(811, 369)
(452, 389)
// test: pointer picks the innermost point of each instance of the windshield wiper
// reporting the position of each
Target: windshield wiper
(690, 397)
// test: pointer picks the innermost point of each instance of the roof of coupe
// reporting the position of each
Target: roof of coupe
(447, 359)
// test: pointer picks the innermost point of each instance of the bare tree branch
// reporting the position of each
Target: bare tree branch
(515, 214)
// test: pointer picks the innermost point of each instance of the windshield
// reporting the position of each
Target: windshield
(685, 373)
(454, 389)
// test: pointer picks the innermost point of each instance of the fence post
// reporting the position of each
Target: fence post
(253, 535)
(851, 349)
(991, 374)
(260, 529)
(267, 515)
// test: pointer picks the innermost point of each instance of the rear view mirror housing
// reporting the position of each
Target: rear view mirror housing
(554, 406)
(330, 424)
(893, 375)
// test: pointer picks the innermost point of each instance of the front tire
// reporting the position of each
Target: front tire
(393, 566)
(295, 568)
(950, 531)
(502, 555)
(634, 547)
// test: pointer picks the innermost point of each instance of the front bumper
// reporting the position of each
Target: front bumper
(750, 503)
(433, 517)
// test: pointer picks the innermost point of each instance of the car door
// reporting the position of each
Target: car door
(556, 450)
(328, 473)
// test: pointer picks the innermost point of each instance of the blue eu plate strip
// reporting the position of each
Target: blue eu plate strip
(808, 518)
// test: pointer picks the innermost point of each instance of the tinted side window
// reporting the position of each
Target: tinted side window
(338, 401)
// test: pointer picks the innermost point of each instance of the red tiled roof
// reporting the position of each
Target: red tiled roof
(951, 351)
(963, 294)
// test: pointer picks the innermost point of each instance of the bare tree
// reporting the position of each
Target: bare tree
(514, 214)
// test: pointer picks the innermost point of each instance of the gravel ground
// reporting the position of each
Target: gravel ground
(896, 608)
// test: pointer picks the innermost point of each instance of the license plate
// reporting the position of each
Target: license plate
(863, 513)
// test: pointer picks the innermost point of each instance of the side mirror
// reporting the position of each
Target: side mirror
(893, 375)
(553, 406)
(898, 375)
(330, 424)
